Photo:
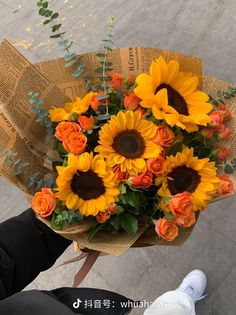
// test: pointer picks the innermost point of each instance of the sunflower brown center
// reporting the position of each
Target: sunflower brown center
(87, 185)
(183, 179)
(175, 100)
(129, 143)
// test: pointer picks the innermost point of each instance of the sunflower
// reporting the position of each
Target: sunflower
(186, 172)
(79, 106)
(86, 184)
(173, 95)
(126, 140)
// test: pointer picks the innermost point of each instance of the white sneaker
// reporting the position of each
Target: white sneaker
(194, 284)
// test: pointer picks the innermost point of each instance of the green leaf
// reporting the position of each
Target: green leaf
(102, 97)
(175, 148)
(42, 11)
(56, 27)
(108, 48)
(123, 189)
(54, 16)
(168, 215)
(57, 35)
(47, 13)
(45, 5)
(78, 72)
(71, 62)
(93, 231)
(129, 223)
(47, 22)
(57, 222)
(119, 209)
(69, 57)
(228, 169)
(101, 55)
(61, 149)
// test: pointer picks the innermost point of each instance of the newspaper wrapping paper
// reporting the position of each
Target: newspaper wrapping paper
(56, 86)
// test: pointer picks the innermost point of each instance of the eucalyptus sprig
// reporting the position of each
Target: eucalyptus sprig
(223, 95)
(106, 65)
(22, 169)
(37, 107)
(71, 58)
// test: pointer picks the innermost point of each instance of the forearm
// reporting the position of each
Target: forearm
(27, 247)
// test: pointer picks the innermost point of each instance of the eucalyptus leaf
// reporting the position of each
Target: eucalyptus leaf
(228, 169)
(56, 27)
(54, 16)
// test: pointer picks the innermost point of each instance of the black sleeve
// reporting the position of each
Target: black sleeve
(27, 247)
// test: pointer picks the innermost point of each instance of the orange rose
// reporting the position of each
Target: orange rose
(222, 153)
(44, 202)
(86, 123)
(181, 204)
(216, 118)
(186, 221)
(164, 136)
(102, 217)
(224, 133)
(112, 208)
(131, 101)
(94, 102)
(143, 180)
(122, 176)
(75, 143)
(166, 229)
(225, 186)
(64, 128)
(116, 81)
(224, 111)
(156, 165)
(207, 132)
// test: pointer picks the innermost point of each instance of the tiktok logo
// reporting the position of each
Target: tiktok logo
(77, 303)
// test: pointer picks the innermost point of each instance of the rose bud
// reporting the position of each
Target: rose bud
(224, 133)
(86, 123)
(112, 208)
(186, 221)
(156, 165)
(224, 111)
(75, 143)
(130, 79)
(122, 176)
(222, 153)
(225, 186)
(64, 128)
(216, 118)
(207, 133)
(142, 181)
(44, 202)
(116, 81)
(131, 101)
(164, 136)
(181, 204)
(95, 103)
(102, 217)
(166, 229)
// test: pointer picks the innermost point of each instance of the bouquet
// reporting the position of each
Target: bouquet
(137, 154)
(140, 153)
